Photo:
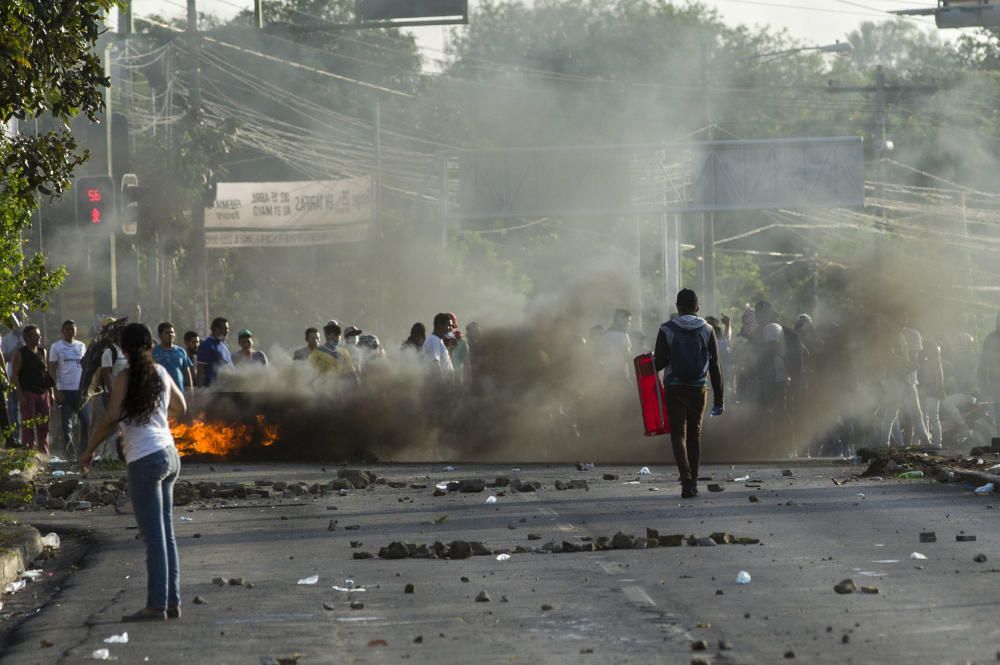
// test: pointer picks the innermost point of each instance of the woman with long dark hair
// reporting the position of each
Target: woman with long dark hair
(142, 399)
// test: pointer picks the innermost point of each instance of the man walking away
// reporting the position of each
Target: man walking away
(64, 364)
(213, 354)
(34, 388)
(989, 371)
(687, 349)
(312, 343)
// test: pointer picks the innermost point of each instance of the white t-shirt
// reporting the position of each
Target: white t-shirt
(67, 356)
(141, 440)
(120, 364)
(616, 351)
(774, 333)
(437, 353)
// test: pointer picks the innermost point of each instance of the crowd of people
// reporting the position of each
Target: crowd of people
(45, 383)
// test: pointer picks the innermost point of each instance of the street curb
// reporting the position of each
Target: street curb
(15, 560)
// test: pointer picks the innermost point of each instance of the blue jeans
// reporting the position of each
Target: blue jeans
(70, 403)
(151, 486)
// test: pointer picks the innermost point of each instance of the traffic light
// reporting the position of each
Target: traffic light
(95, 203)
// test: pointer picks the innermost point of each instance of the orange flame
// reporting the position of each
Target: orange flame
(221, 439)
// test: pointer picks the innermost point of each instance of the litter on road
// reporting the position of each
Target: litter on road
(117, 639)
(312, 579)
(918, 556)
(743, 577)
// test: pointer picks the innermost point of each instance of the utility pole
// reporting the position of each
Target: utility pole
(884, 145)
(199, 253)
(707, 218)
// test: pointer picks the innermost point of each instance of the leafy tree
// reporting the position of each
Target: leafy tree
(49, 69)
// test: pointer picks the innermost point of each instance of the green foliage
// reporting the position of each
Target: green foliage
(49, 68)
(23, 281)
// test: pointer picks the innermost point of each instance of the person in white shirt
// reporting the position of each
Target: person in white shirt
(435, 351)
(615, 348)
(142, 401)
(64, 364)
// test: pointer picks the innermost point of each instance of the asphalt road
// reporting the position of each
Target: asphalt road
(621, 606)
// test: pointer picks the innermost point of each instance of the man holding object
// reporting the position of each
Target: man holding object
(687, 349)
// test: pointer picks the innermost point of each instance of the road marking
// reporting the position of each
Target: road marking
(638, 595)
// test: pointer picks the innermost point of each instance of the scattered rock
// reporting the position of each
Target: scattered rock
(789, 654)
(237, 581)
(474, 485)
(610, 476)
(786, 472)
(357, 605)
(715, 487)
(673, 540)
(699, 645)
(395, 550)
(869, 589)
(483, 597)
(198, 600)
(362, 555)
(622, 541)
(579, 484)
(409, 588)
(328, 606)
(705, 542)
(547, 608)
(534, 536)
(753, 498)
(560, 485)
(980, 558)
(845, 586)
(459, 549)
(722, 538)
(419, 639)
(358, 479)
(928, 537)
(220, 581)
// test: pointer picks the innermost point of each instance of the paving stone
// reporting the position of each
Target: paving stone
(473, 485)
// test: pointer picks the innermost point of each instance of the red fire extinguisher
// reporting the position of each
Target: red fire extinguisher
(651, 396)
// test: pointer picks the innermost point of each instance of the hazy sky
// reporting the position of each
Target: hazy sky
(810, 21)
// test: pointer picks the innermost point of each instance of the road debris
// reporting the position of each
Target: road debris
(483, 597)
(743, 577)
(117, 639)
(845, 587)
(917, 556)
(312, 579)
(980, 558)
(101, 654)
(928, 537)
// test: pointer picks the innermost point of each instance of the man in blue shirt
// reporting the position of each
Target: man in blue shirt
(173, 358)
(213, 354)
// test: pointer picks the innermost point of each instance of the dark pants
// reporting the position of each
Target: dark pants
(686, 410)
(151, 488)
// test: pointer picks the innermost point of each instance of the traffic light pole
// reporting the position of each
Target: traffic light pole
(112, 248)
(199, 252)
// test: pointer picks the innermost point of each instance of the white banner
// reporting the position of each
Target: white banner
(290, 206)
(330, 236)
